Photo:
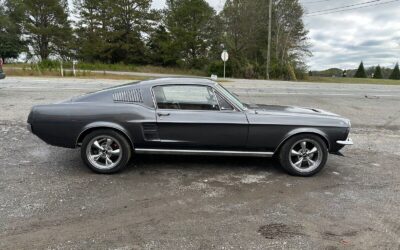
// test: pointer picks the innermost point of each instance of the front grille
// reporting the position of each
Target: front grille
(128, 96)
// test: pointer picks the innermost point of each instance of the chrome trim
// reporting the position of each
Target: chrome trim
(102, 127)
(203, 152)
(349, 141)
(237, 109)
(29, 127)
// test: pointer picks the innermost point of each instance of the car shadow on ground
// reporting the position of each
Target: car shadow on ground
(206, 163)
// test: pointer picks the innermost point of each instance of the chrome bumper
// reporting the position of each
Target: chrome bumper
(349, 141)
(29, 127)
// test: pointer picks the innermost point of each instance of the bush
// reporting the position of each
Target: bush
(217, 68)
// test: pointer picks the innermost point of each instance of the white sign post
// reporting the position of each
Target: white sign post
(224, 57)
(73, 67)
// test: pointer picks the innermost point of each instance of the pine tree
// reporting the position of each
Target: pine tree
(129, 19)
(92, 29)
(395, 73)
(378, 72)
(360, 71)
(48, 28)
(191, 24)
(11, 42)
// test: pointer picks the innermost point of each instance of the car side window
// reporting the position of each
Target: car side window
(223, 104)
(185, 97)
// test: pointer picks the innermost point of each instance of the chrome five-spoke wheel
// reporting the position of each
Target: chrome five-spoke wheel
(304, 154)
(105, 151)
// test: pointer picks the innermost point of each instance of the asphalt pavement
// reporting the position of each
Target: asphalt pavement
(49, 199)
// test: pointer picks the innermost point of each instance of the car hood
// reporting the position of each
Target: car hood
(260, 108)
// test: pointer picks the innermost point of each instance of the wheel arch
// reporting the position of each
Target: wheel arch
(301, 131)
(103, 125)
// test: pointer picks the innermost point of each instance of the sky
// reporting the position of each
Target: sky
(344, 39)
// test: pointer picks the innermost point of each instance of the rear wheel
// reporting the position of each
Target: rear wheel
(105, 151)
(304, 155)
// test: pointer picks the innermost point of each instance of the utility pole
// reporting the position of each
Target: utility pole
(269, 37)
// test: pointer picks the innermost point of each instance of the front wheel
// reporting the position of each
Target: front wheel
(105, 151)
(304, 155)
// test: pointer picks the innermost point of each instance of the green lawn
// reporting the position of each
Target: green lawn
(352, 80)
(119, 67)
(80, 74)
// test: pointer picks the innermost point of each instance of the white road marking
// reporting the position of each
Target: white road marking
(47, 88)
(313, 94)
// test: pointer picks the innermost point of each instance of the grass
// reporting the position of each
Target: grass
(114, 67)
(169, 70)
(80, 74)
(352, 80)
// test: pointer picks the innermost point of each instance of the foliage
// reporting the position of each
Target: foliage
(190, 23)
(161, 51)
(378, 73)
(395, 73)
(10, 31)
(110, 31)
(360, 71)
(246, 25)
(47, 27)
(186, 34)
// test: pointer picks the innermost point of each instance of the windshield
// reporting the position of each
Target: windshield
(230, 96)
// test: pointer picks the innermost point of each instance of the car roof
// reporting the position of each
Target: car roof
(176, 80)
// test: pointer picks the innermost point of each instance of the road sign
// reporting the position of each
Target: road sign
(225, 56)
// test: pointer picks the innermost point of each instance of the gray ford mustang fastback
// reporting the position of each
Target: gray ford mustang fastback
(187, 116)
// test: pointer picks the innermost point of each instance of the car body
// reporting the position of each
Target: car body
(184, 116)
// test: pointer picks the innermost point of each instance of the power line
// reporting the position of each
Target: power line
(320, 1)
(344, 7)
(348, 9)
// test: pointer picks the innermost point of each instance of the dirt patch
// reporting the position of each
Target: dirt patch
(279, 230)
(329, 234)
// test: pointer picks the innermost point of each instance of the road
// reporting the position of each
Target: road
(49, 199)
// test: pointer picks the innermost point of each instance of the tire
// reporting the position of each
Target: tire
(105, 151)
(305, 159)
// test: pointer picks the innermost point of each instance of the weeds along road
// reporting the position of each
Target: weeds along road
(49, 199)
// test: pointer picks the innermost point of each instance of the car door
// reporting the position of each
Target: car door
(192, 116)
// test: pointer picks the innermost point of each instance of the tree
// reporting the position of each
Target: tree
(47, 27)
(111, 31)
(360, 71)
(395, 75)
(128, 20)
(10, 30)
(92, 29)
(191, 25)
(161, 49)
(246, 26)
(290, 36)
(378, 72)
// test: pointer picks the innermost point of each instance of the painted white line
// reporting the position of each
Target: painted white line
(49, 89)
(256, 89)
(244, 94)
(313, 94)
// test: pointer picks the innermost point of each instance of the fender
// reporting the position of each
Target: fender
(303, 131)
(102, 124)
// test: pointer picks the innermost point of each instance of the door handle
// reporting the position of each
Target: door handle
(163, 114)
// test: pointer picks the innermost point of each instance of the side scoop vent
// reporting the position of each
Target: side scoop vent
(150, 131)
(128, 96)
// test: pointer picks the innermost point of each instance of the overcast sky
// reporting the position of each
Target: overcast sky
(344, 39)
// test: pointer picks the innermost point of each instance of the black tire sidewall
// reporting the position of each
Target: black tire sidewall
(284, 156)
(125, 148)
